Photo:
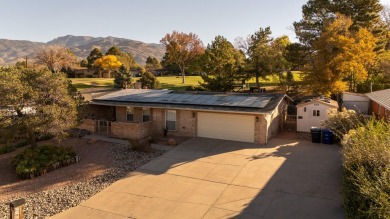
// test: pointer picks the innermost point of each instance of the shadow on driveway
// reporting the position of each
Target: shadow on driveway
(209, 178)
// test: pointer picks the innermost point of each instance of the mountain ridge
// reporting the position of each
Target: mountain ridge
(12, 51)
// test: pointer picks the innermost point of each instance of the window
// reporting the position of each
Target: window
(145, 114)
(300, 117)
(170, 120)
(130, 114)
(304, 109)
(316, 113)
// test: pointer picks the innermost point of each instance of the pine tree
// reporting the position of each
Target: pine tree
(123, 78)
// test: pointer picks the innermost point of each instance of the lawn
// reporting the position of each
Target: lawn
(169, 82)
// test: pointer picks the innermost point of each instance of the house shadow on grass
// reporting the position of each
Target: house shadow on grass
(209, 178)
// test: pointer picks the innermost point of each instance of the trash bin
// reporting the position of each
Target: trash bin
(327, 136)
(315, 134)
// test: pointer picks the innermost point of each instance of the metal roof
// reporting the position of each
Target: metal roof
(197, 100)
(382, 97)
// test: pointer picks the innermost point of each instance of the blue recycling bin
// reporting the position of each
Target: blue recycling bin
(327, 136)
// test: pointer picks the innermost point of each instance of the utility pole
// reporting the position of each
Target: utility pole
(26, 61)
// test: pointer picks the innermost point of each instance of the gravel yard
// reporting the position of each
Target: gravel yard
(101, 164)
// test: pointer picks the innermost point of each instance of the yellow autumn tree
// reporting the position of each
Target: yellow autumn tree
(342, 57)
(109, 63)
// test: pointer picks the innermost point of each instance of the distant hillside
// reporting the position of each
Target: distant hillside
(13, 50)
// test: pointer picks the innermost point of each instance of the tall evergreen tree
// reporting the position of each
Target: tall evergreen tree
(222, 64)
(122, 78)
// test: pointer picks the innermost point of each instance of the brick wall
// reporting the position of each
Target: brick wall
(121, 114)
(261, 130)
(131, 130)
(185, 124)
(158, 120)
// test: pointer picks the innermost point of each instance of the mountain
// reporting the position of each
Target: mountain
(13, 50)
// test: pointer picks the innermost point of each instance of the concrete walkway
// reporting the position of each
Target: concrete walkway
(208, 178)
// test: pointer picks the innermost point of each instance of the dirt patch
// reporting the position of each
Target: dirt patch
(95, 159)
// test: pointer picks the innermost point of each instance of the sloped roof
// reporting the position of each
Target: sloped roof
(381, 97)
(259, 103)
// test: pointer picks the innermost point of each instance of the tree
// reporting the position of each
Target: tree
(222, 64)
(182, 48)
(152, 63)
(84, 63)
(56, 58)
(115, 51)
(35, 103)
(148, 80)
(260, 54)
(109, 63)
(122, 78)
(95, 54)
(297, 55)
(364, 14)
(341, 55)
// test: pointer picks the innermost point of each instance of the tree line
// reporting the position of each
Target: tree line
(343, 46)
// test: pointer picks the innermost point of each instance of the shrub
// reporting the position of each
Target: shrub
(41, 159)
(341, 122)
(366, 175)
(149, 80)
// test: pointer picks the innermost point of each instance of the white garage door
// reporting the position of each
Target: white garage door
(226, 126)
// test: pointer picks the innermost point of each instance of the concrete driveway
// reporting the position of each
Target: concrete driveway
(208, 178)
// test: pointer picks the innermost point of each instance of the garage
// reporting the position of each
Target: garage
(226, 126)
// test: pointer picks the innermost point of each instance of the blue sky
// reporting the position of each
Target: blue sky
(146, 20)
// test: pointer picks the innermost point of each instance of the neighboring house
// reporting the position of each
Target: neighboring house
(360, 103)
(138, 114)
(311, 112)
(380, 103)
(83, 72)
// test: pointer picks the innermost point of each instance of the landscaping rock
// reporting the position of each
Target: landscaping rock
(48, 203)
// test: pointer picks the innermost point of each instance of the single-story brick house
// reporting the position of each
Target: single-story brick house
(380, 103)
(142, 113)
(311, 112)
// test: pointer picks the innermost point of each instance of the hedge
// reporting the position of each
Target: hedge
(366, 172)
(40, 160)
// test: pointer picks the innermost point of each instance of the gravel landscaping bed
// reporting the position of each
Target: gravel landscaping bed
(51, 202)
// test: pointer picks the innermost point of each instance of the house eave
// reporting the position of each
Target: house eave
(236, 110)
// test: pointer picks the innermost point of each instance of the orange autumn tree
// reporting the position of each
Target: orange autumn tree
(342, 57)
(182, 49)
(109, 63)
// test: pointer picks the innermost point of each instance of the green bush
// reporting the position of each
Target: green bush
(366, 175)
(41, 159)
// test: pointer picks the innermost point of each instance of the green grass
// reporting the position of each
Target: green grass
(170, 82)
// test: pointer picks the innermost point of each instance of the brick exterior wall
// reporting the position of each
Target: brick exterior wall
(130, 130)
(186, 124)
(261, 130)
(158, 120)
(121, 115)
